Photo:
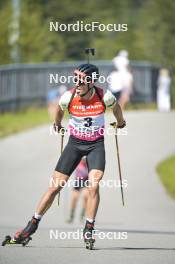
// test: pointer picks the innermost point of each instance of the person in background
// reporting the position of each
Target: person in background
(80, 186)
(53, 96)
(121, 80)
(163, 91)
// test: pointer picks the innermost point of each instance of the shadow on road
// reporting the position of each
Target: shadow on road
(96, 248)
(136, 248)
(158, 232)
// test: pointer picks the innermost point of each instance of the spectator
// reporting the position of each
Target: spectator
(163, 91)
(121, 80)
(53, 96)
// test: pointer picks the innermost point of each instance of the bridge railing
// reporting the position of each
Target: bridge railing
(23, 85)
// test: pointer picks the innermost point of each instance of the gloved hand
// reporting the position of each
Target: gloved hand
(59, 128)
(122, 124)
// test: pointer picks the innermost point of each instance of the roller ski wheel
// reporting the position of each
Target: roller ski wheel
(90, 244)
(10, 241)
(6, 240)
(26, 241)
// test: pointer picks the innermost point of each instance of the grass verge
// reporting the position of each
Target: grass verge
(11, 123)
(166, 171)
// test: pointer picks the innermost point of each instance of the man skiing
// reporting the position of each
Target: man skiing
(86, 104)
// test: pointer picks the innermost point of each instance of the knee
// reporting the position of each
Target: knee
(53, 191)
(57, 182)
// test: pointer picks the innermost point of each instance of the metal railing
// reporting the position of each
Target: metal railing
(23, 85)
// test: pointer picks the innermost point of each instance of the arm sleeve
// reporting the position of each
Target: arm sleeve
(109, 99)
(64, 100)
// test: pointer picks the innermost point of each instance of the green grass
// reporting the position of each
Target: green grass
(12, 123)
(141, 106)
(166, 171)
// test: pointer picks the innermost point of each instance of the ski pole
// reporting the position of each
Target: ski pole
(62, 131)
(88, 52)
(114, 125)
(62, 141)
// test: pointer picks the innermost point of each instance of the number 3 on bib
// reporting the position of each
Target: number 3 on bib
(88, 122)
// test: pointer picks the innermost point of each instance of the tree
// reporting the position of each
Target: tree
(5, 16)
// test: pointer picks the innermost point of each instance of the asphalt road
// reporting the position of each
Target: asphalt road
(26, 163)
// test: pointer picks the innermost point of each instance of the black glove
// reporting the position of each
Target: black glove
(122, 125)
(58, 128)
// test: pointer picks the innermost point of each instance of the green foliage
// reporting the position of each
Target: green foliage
(157, 23)
(5, 14)
(36, 44)
(150, 35)
(166, 170)
(150, 32)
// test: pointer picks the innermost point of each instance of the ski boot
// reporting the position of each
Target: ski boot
(23, 236)
(88, 235)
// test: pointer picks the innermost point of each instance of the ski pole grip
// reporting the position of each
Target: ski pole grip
(114, 124)
(90, 51)
(63, 131)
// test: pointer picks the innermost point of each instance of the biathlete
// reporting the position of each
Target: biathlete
(86, 104)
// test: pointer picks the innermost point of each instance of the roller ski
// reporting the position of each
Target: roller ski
(23, 237)
(88, 235)
(11, 241)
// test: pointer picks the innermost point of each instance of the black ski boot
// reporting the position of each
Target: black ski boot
(29, 230)
(23, 236)
(88, 235)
